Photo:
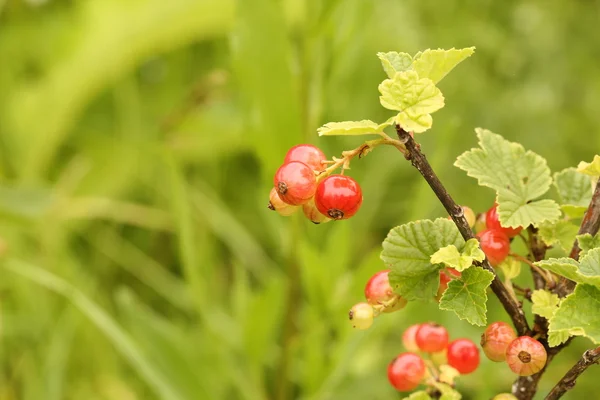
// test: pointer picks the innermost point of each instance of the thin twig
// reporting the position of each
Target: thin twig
(545, 276)
(568, 381)
(591, 221)
(419, 161)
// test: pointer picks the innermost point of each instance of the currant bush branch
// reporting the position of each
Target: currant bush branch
(419, 161)
(591, 221)
(568, 381)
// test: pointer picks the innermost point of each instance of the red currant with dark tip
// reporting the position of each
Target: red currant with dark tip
(431, 338)
(361, 316)
(295, 183)
(311, 212)
(282, 208)
(406, 371)
(379, 292)
(495, 244)
(338, 197)
(307, 154)
(492, 222)
(526, 356)
(409, 340)
(495, 340)
(463, 355)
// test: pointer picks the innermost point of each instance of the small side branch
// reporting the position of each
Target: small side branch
(568, 381)
(591, 220)
(419, 161)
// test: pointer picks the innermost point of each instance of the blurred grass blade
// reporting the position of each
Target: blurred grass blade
(119, 338)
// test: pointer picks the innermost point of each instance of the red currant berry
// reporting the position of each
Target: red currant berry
(492, 222)
(308, 154)
(338, 196)
(361, 316)
(409, 340)
(446, 275)
(495, 340)
(406, 371)
(526, 356)
(276, 204)
(379, 292)
(463, 355)
(311, 212)
(431, 338)
(495, 245)
(480, 223)
(295, 183)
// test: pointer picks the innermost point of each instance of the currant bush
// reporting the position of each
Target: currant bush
(282, 208)
(295, 183)
(338, 197)
(463, 355)
(361, 316)
(526, 356)
(431, 338)
(495, 340)
(406, 371)
(307, 154)
(495, 245)
(492, 222)
(379, 292)
(408, 338)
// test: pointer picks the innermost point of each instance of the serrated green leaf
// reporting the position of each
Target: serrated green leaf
(544, 303)
(414, 97)
(573, 187)
(562, 232)
(420, 395)
(448, 393)
(517, 176)
(579, 314)
(436, 64)
(592, 168)
(511, 268)
(572, 211)
(393, 62)
(451, 257)
(467, 296)
(407, 250)
(556, 338)
(348, 128)
(587, 270)
(588, 242)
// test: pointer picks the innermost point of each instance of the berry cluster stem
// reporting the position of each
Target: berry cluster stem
(419, 161)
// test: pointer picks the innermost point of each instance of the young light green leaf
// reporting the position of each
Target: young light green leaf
(562, 232)
(587, 242)
(510, 267)
(420, 395)
(579, 314)
(587, 270)
(416, 98)
(573, 187)
(393, 62)
(451, 257)
(572, 211)
(466, 296)
(435, 64)
(544, 303)
(407, 250)
(517, 176)
(347, 128)
(592, 168)
(448, 393)
(556, 338)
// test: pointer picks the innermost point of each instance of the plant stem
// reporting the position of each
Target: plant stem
(568, 381)
(591, 221)
(419, 161)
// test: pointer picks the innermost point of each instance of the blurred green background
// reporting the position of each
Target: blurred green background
(138, 139)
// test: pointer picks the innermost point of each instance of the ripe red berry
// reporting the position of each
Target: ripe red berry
(495, 245)
(406, 371)
(276, 204)
(492, 222)
(379, 292)
(495, 340)
(409, 340)
(361, 316)
(431, 338)
(311, 212)
(526, 356)
(338, 196)
(463, 355)
(295, 183)
(308, 154)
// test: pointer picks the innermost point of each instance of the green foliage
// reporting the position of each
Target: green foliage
(588, 242)
(561, 232)
(419, 395)
(578, 315)
(451, 257)
(467, 297)
(544, 303)
(591, 168)
(363, 127)
(436, 64)
(586, 270)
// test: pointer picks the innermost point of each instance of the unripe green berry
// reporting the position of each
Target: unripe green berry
(361, 316)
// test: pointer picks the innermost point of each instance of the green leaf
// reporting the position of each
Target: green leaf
(466, 296)
(448, 393)
(407, 251)
(393, 62)
(511, 268)
(587, 270)
(573, 187)
(556, 338)
(451, 257)
(436, 64)
(416, 98)
(587, 242)
(572, 211)
(420, 395)
(347, 128)
(579, 314)
(562, 232)
(592, 168)
(544, 303)
(517, 176)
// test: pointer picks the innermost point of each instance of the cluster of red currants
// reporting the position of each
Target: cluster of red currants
(431, 341)
(524, 355)
(493, 237)
(304, 181)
